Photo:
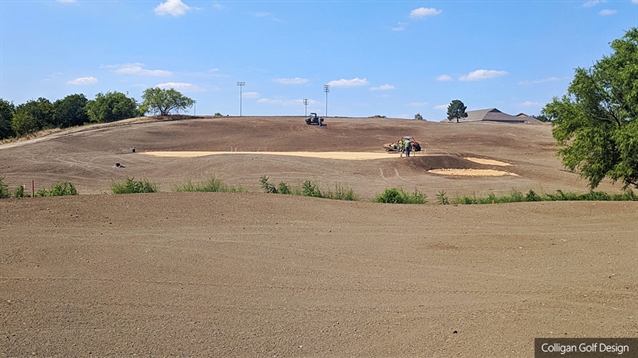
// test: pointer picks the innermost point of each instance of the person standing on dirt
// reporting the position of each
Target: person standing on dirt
(407, 146)
(400, 147)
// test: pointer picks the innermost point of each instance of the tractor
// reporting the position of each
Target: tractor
(314, 119)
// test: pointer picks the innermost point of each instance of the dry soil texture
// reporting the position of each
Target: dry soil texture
(254, 274)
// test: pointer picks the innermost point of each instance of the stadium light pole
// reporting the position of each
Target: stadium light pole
(326, 88)
(305, 103)
(240, 84)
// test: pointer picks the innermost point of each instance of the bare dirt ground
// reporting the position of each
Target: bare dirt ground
(253, 274)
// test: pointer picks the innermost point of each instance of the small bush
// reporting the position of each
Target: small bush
(19, 192)
(310, 189)
(4, 189)
(62, 188)
(398, 196)
(267, 186)
(532, 196)
(213, 185)
(131, 186)
(284, 188)
(442, 199)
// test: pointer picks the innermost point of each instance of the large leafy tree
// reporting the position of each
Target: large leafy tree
(164, 101)
(112, 106)
(596, 122)
(7, 109)
(71, 111)
(456, 109)
(33, 116)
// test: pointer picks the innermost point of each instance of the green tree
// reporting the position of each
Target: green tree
(596, 122)
(165, 100)
(7, 109)
(112, 106)
(33, 116)
(456, 109)
(71, 111)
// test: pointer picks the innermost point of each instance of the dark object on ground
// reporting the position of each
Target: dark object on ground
(314, 119)
(118, 165)
(132, 150)
(393, 147)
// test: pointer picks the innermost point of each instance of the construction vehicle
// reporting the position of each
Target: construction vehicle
(314, 119)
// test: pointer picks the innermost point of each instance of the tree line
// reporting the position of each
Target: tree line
(76, 110)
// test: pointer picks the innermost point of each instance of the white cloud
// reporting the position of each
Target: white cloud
(423, 12)
(607, 12)
(531, 104)
(218, 6)
(634, 1)
(83, 81)
(355, 82)
(442, 107)
(251, 95)
(181, 86)
(385, 87)
(137, 69)
(291, 81)
(419, 104)
(172, 7)
(66, 1)
(482, 75)
(594, 3)
(401, 26)
(266, 15)
(548, 79)
(444, 78)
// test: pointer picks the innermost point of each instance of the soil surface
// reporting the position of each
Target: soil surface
(254, 275)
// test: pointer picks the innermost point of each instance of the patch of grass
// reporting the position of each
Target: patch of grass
(442, 199)
(517, 197)
(308, 188)
(62, 188)
(4, 189)
(19, 193)
(398, 196)
(132, 186)
(212, 185)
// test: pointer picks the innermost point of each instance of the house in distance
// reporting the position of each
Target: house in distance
(494, 115)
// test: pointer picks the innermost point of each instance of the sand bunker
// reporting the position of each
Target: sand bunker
(325, 155)
(487, 161)
(472, 172)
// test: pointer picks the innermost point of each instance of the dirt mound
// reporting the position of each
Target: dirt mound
(431, 162)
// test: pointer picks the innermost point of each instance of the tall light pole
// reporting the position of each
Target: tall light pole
(240, 84)
(326, 88)
(305, 103)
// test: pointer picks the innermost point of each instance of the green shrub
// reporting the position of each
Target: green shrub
(268, 188)
(441, 198)
(532, 196)
(19, 192)
(4, 189)
(131, 186)
(310, 189)
(213, 185)
(62, 188)
(284, 188)
(398, 196)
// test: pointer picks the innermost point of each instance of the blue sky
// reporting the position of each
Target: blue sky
(392, 58)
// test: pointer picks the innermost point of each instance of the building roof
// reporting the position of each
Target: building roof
(494, 115)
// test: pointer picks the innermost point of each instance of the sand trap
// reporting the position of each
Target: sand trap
(487, 161)
(325, 155)
(472, 172)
